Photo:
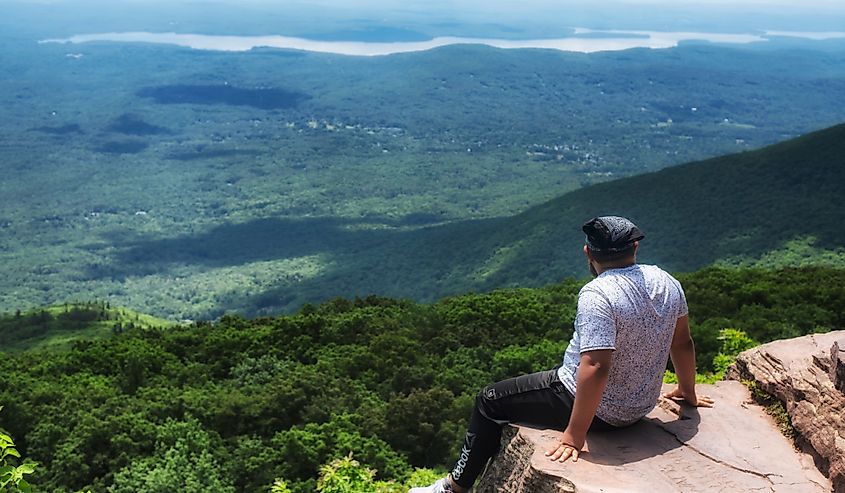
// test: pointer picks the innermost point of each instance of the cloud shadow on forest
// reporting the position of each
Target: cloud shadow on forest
(262, 98)
(362, 257)
(71, 128)
(266, 239)
(129, 124)
(122, 147)
(203, 152)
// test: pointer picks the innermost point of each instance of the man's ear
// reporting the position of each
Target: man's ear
(587, 253)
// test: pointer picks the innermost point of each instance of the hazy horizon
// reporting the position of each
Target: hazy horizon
(582, 41)
(468, 18)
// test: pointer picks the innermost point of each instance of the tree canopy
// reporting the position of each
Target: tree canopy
(238, 404)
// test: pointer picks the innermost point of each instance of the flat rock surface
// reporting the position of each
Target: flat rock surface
(734, 446)
(802, 372)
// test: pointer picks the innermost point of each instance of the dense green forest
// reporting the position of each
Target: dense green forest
(131, 169)
(237, 404)
(777, 206)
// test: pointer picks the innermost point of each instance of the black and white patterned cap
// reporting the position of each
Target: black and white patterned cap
(611, 233)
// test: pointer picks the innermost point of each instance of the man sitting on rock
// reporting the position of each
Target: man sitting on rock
(631, 318)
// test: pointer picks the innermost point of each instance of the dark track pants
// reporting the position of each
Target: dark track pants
(537, 400)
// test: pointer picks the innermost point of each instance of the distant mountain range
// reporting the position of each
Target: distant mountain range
(741, 208)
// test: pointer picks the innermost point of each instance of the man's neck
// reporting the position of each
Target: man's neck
(613, 265)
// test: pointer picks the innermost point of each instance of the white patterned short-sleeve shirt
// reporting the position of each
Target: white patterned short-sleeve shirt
(633, 311)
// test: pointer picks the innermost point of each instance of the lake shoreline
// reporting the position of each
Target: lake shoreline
(583, 41)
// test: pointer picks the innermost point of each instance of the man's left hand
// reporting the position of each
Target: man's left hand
(568, 446)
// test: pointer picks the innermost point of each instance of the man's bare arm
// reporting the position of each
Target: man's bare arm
(592, 379)
(682, 353)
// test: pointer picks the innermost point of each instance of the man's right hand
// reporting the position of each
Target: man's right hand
(689, 397)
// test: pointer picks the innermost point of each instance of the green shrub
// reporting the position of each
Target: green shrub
(12, 476)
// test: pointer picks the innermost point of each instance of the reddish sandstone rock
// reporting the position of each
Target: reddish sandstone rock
(734, 446)
(808, 375)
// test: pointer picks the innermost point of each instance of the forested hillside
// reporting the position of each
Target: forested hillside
(58, 326)
(775, 207)
(233, 405)
(186, 183)
(743, 208)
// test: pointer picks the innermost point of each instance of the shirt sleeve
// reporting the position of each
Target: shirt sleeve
(683, 309)
(594, 322)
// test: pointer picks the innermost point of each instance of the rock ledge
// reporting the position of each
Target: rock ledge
(734, 446)
(807, 374)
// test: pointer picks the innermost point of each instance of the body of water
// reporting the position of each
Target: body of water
(583, 40)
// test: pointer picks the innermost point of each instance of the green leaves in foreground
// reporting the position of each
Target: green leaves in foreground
(734, 341)
(183, 461)
(279, 486)
(346, 475)
(11, 476)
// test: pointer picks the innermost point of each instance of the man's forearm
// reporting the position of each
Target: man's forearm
(592, 379)
(683, 359)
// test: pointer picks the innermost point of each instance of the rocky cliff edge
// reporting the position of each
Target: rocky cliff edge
(734, 446)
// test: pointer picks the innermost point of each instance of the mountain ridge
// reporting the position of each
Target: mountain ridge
(792, 185)
(740, 206)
